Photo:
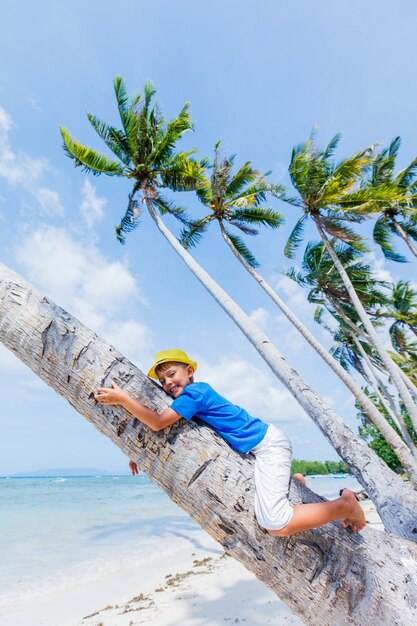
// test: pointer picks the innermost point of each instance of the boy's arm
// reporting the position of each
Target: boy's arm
(156, 421)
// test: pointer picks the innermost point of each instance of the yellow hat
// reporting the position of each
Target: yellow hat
(166, 356)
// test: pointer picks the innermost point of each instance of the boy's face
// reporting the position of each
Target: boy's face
(175, 378)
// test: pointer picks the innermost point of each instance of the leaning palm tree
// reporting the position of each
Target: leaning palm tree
(235, 200)
(327, 576)
(329, 194)
(398, 217)
(145, 135)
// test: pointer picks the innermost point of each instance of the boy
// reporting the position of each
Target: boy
(271, 448)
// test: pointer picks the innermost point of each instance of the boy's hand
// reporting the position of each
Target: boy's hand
(133, 468)
(115, 395)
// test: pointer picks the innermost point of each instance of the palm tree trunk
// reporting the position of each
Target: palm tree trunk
(404, 236)
(327, 576)
(390, 408)
(360, 459)
(397, 379)
(391, 436)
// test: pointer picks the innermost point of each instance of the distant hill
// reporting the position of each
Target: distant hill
(68, 471)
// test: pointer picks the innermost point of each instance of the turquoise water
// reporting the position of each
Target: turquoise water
(60, 531)
(55, 531)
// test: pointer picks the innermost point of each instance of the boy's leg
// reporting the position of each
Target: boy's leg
(308, 516)
(272, 477)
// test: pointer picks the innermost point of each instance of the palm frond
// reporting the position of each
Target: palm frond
(296, 275)
(166, 206)
(383, 237)
(244, 228)
(191, 235)
(203, 189)
(331, 147)
(242, 249)
(410, 228)
(406, 177)
(254, 215)
(112, 137)
(182, 173)
(295, 238)
(173, 132)
(335, 228)
(90, 160)
(245, 175)
(129, 221)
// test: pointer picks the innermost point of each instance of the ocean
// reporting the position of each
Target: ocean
(57, 532)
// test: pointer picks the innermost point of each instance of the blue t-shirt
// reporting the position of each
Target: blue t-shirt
(242, 431)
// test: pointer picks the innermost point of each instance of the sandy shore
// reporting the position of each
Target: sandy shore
(213, 591)
(197, 586)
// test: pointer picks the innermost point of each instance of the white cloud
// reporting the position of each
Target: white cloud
(5, 121)
(99, 292)
(294, 296)
(49, 202)
(34, 101)
(17, 167)
(260, 316)
(92, 206)
(378, 267)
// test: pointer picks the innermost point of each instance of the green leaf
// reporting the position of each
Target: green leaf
(296, 237)
(383, 237)
(113, 138)
(254, 215)
(191, 235)
(242, 249)
(90, 160)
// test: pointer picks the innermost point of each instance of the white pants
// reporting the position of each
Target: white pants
(272, 476)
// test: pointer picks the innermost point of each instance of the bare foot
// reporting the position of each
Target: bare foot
(355, 517)
(300, 478)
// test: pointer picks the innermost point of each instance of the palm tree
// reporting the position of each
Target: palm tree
(399, 216)
(236, 200)
(214, 485)
(330, 196)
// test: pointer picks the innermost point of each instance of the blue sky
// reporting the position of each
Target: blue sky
(258, 76)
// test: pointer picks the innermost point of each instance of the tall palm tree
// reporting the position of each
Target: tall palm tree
(330, 194)
(147, 137)
(235, 199)
(399, 216)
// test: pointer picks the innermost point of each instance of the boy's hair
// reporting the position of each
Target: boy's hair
(165, 366)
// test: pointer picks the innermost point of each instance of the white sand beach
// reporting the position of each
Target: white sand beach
(198, 585)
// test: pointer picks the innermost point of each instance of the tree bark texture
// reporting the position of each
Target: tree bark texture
(327, 576)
